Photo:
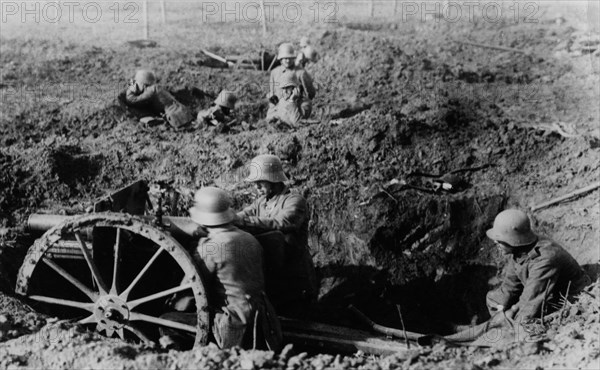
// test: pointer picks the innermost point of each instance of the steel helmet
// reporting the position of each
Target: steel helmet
(288, 80)
(310, 53)
(304, 41)
(226, 99)
(286, 50)
(212, 207)
(144, 77)
(512, 227)
(266, 167)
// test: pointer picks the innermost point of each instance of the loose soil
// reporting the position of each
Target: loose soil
(518, 129)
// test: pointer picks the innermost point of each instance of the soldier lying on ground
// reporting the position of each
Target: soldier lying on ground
(538, 273)
(287, 58)
(284, 216)
(288, 108)
(147, 96)
(231, 260)
(220, 112)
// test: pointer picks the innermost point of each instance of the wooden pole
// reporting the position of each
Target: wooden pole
(163, 11)
(264, 17)
(372, 8)
(146, 24)
(396, 4)
(495, 47)
(566, 196)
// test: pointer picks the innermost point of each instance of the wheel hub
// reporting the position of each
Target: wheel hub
(111, 312)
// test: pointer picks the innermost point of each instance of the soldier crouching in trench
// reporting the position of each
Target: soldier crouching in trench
(231, 260)
(539, 274)
(279, 219)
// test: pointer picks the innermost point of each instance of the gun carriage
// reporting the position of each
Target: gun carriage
(115, 268)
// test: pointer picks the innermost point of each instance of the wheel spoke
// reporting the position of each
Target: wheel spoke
(93, 295)
(135, 316)
(139, 301)
(113, 288)
(126, 292)
(88, 320)
(120, 333)
(63, 302)
(132, 328)
(90, 262)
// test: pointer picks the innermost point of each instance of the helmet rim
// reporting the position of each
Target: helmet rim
(212, 207)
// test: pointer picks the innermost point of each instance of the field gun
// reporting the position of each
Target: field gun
(115, 268)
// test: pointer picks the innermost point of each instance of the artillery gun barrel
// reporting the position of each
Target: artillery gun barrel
(179, 227)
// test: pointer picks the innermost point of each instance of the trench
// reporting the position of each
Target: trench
(431, 264)
(441, 282)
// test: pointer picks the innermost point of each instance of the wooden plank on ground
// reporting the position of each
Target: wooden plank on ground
(321, 336)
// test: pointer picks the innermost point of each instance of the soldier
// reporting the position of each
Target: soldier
(231, 260)
(538, 272)
(143, 93)
(284, 216)
(307, 53)
(221, 110)
(288, 108)
(307, 92)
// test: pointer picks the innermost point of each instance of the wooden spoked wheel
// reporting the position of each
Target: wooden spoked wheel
(115, 272)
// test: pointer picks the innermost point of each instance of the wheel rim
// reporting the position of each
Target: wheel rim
(119, 306)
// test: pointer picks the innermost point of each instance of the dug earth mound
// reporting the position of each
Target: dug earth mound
(381, 236)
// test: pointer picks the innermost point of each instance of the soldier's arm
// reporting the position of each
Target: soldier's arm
(291, 218)
(145, 96)
(249, 211)
(511, 287)
(543, 276)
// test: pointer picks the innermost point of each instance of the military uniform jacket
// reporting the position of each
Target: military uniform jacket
(153, 98)
(547, 267)
(231, 259)
(233, 262)
(288, 213)
(304, 79)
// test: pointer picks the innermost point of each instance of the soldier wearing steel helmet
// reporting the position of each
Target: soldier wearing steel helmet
(287, 56)
(231, 260)
(307, 53)
(538, 272)
(284, 216)
(221, 111)
(289, 108)
(145, 94)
